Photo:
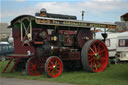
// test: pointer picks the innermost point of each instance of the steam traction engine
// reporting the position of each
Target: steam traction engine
(50, 41)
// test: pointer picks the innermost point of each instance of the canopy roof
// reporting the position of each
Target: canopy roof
(63, 22)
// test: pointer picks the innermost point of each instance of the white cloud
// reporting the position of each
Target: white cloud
(94, 7)
(101, 7)
(91, 8)
(54, 7)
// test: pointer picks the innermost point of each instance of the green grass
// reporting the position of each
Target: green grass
(114, 75)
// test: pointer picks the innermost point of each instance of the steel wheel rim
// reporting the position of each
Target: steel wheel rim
(97, 56)
(54, 67)
(34, 67)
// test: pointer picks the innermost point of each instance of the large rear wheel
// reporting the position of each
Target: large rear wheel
(53, 67)
(94, 56)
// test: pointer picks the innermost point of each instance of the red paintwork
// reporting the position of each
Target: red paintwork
(66, 53)
(67, 32)
(34, 67)
(82, 35)
(18, 44)
(7, 65)
(54, 67)
(97, 56)
(68, 40)
(70, 56)
(17, 61)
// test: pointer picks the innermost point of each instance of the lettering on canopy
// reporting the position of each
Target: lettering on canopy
(72, 23)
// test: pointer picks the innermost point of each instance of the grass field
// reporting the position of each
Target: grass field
(113, 75)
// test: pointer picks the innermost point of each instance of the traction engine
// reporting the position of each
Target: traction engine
(50, 42)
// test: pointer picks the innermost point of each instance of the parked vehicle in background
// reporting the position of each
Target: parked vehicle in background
(122, 47)
(5, 49)
(110, 42)
(4, 43)
(117, 44)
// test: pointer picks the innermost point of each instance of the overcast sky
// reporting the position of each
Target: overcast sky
(95, 10)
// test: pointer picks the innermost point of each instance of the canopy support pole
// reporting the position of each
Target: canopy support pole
(21, 30)
(94, 33)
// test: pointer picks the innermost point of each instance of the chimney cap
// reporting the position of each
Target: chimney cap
(43, 10)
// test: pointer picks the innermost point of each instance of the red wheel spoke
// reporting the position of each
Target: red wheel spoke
(91, 54)
(95, 48)
(91, 65)
(52, 72)
(91, 59)
(95, 53)
(52, 63)
(34, 67)
(102, 58)
(51, 67)
(97, 62)
(98, 47)
(92, 50)
(56, 63)
(102, 51)
(55, 69)
(49, 70)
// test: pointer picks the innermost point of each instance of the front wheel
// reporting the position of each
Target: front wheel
(34, 66)
(53, 67)
(94, 56)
